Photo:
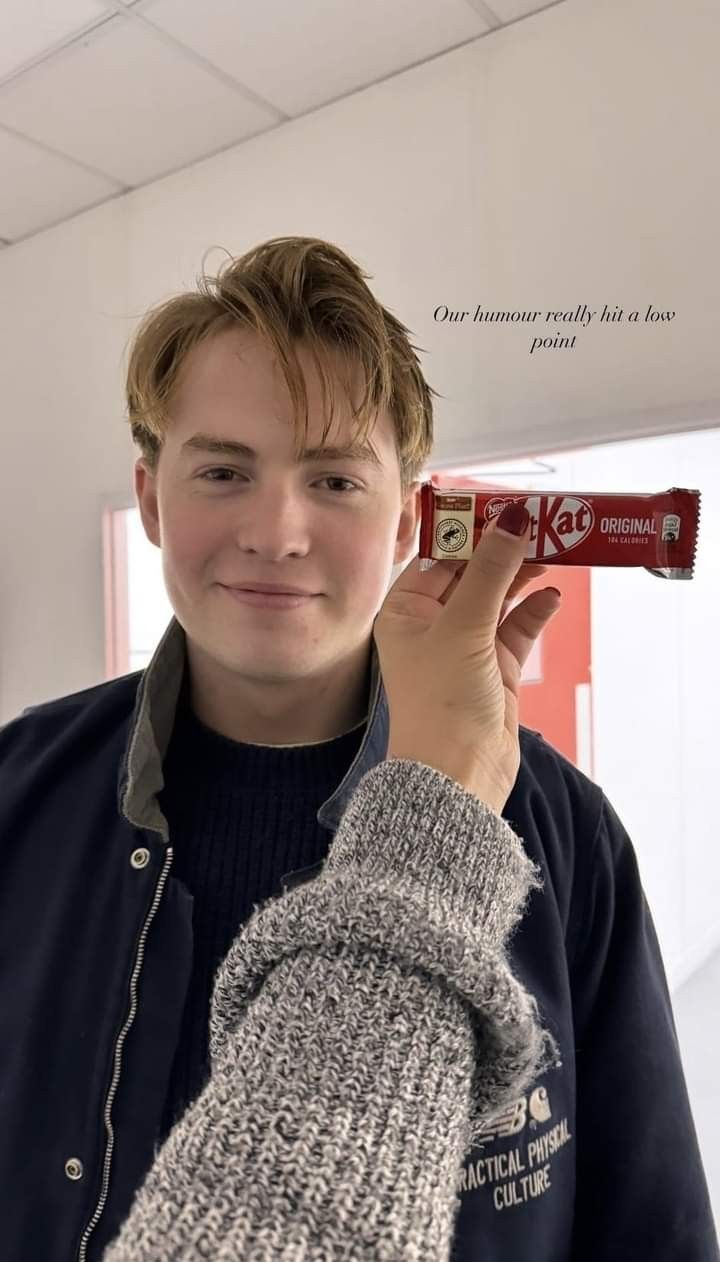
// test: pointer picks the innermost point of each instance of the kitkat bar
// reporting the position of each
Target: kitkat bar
(657, 532)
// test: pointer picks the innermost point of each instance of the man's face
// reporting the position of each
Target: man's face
(333, 527)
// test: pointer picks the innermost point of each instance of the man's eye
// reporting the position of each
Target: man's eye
(222, 469)
(206, 475)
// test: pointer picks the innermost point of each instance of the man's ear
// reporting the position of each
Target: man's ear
(146, 496)
(408, 525)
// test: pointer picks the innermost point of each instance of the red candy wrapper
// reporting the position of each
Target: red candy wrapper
(658, 532)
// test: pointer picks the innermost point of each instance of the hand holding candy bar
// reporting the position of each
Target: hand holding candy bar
(451, 674)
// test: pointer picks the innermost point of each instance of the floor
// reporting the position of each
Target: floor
(697, 1016)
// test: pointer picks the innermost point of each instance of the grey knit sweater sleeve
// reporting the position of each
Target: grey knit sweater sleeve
(364, 1027)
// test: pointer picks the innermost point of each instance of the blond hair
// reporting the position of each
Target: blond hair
(289, 289)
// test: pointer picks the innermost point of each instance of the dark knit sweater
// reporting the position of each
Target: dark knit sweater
(240, 817)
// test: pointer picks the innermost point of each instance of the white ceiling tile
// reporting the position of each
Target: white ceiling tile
(39, 189)
(29, 27)
(509, 10)
(129, 104)
(301, 55)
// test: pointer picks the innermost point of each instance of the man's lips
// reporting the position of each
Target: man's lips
(270, 600)
(270, 588)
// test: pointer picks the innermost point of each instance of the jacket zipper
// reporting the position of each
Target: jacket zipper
(82, 1254)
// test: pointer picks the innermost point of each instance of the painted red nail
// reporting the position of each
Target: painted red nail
(514, 518)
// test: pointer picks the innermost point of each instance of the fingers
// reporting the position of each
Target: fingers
(527, 574)
(441, 580)
(435, 582)
(476, 601)
(524, 623)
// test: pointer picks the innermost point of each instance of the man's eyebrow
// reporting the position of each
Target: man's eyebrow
(230, 447)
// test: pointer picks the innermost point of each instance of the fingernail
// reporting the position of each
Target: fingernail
(514, 519)
(555, 592)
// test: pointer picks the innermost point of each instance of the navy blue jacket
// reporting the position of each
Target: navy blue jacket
(599, 1162)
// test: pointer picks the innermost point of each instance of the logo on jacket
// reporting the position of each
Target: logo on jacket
(522, 1173)
(514, 1119)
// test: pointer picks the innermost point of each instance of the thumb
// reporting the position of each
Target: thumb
(478, 598)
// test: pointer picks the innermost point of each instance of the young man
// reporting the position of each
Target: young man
(190, 885)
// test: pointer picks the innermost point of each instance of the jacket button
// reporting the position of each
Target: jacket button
(74, 1168)
(140, 858)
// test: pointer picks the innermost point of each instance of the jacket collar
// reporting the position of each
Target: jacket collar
(140, 778)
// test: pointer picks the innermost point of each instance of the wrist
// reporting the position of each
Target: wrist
(464, 771)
